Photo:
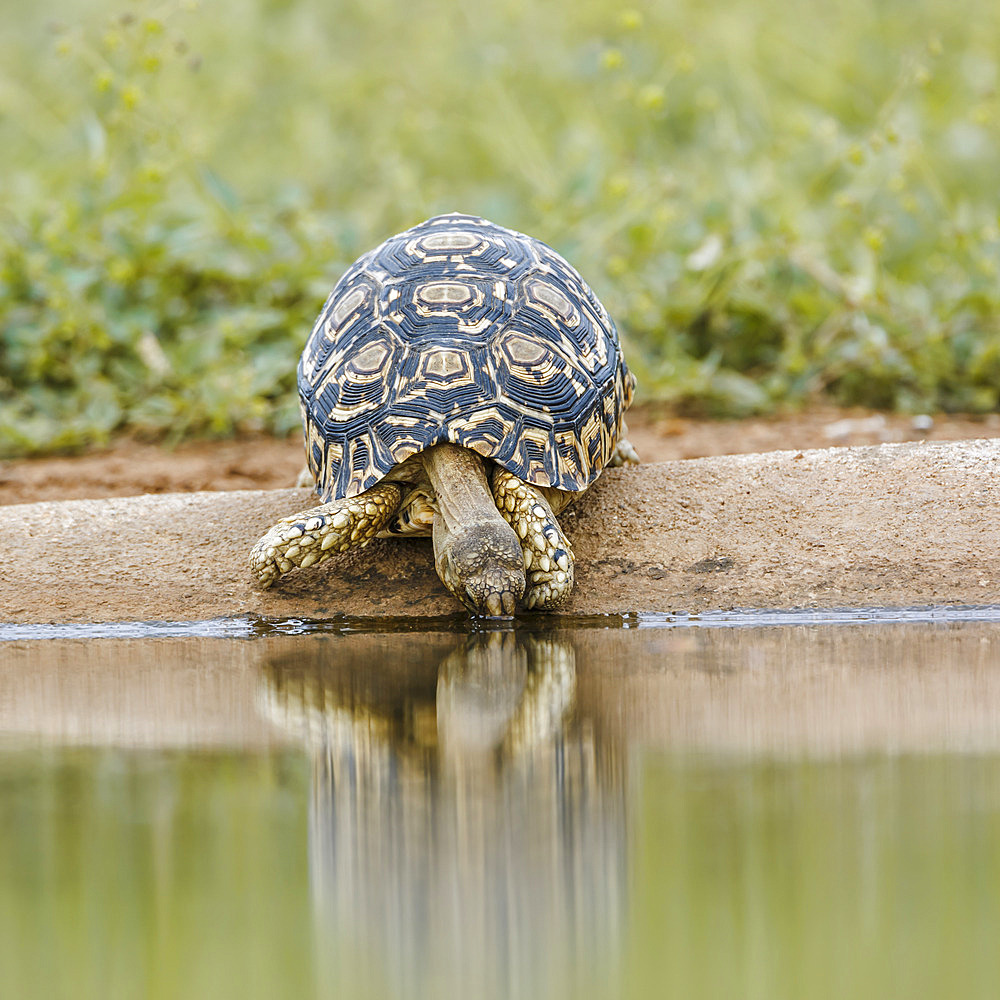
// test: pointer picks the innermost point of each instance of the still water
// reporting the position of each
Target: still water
(788, 808)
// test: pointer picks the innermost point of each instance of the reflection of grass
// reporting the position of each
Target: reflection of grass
(775, 200)
(867, 879)
(140, 875)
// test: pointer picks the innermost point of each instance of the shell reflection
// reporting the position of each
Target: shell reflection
(468, 826)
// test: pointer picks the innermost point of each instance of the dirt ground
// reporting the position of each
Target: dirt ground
(131, 468)
(894, 524)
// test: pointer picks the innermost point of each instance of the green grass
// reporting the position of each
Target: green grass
(777, 202)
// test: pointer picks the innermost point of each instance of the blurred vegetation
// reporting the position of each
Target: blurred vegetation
(154, 874)
(777, 202)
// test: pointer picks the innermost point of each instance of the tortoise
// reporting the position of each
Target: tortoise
(462, 381)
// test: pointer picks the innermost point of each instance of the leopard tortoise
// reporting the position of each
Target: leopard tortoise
(462, 381)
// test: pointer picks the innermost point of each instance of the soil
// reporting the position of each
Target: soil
(131, 467)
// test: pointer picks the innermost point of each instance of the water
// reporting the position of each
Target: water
(647, 806)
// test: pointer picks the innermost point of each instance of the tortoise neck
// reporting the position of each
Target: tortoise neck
(463, 491)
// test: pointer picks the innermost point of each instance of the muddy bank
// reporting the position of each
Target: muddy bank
(888, 525)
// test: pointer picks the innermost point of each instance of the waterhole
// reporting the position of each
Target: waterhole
(737, 804)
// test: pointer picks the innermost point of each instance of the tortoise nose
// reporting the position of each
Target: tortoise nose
(495, 592)
(499, 605)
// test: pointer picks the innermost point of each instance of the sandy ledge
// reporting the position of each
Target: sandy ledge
(887, 525)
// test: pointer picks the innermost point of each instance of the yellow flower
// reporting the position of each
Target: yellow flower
(152, 172)
(612, 59)
(652, 97)
(617, 186)
(120, 270)
(874, 238)
(630, 20)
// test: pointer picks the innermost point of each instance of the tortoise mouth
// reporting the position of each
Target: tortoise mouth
(495, 595)
(483, 567)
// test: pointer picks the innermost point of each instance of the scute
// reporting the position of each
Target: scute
(460, 330)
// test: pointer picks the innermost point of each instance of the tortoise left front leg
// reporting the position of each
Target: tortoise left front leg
(313, 535)
(548, 558)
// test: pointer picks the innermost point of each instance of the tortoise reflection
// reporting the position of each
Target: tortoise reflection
(468, 827)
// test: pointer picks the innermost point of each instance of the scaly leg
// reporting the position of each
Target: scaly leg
(548, 558)
(313, 535)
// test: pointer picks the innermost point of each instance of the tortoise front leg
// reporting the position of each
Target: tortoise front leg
(312, 536)
(548, 558)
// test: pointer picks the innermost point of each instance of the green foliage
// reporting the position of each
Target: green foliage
(776, 202)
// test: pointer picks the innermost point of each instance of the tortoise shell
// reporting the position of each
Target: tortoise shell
(460, 330)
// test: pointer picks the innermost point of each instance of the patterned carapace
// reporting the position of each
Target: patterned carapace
(460, 330)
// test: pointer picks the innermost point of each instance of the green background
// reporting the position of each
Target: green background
(778, 203)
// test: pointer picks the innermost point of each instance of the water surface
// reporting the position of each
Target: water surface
(296, 809)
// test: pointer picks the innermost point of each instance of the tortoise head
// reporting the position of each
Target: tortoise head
(482, 565)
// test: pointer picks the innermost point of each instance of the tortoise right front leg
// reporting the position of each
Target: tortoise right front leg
(312, 536)
(548, 557)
